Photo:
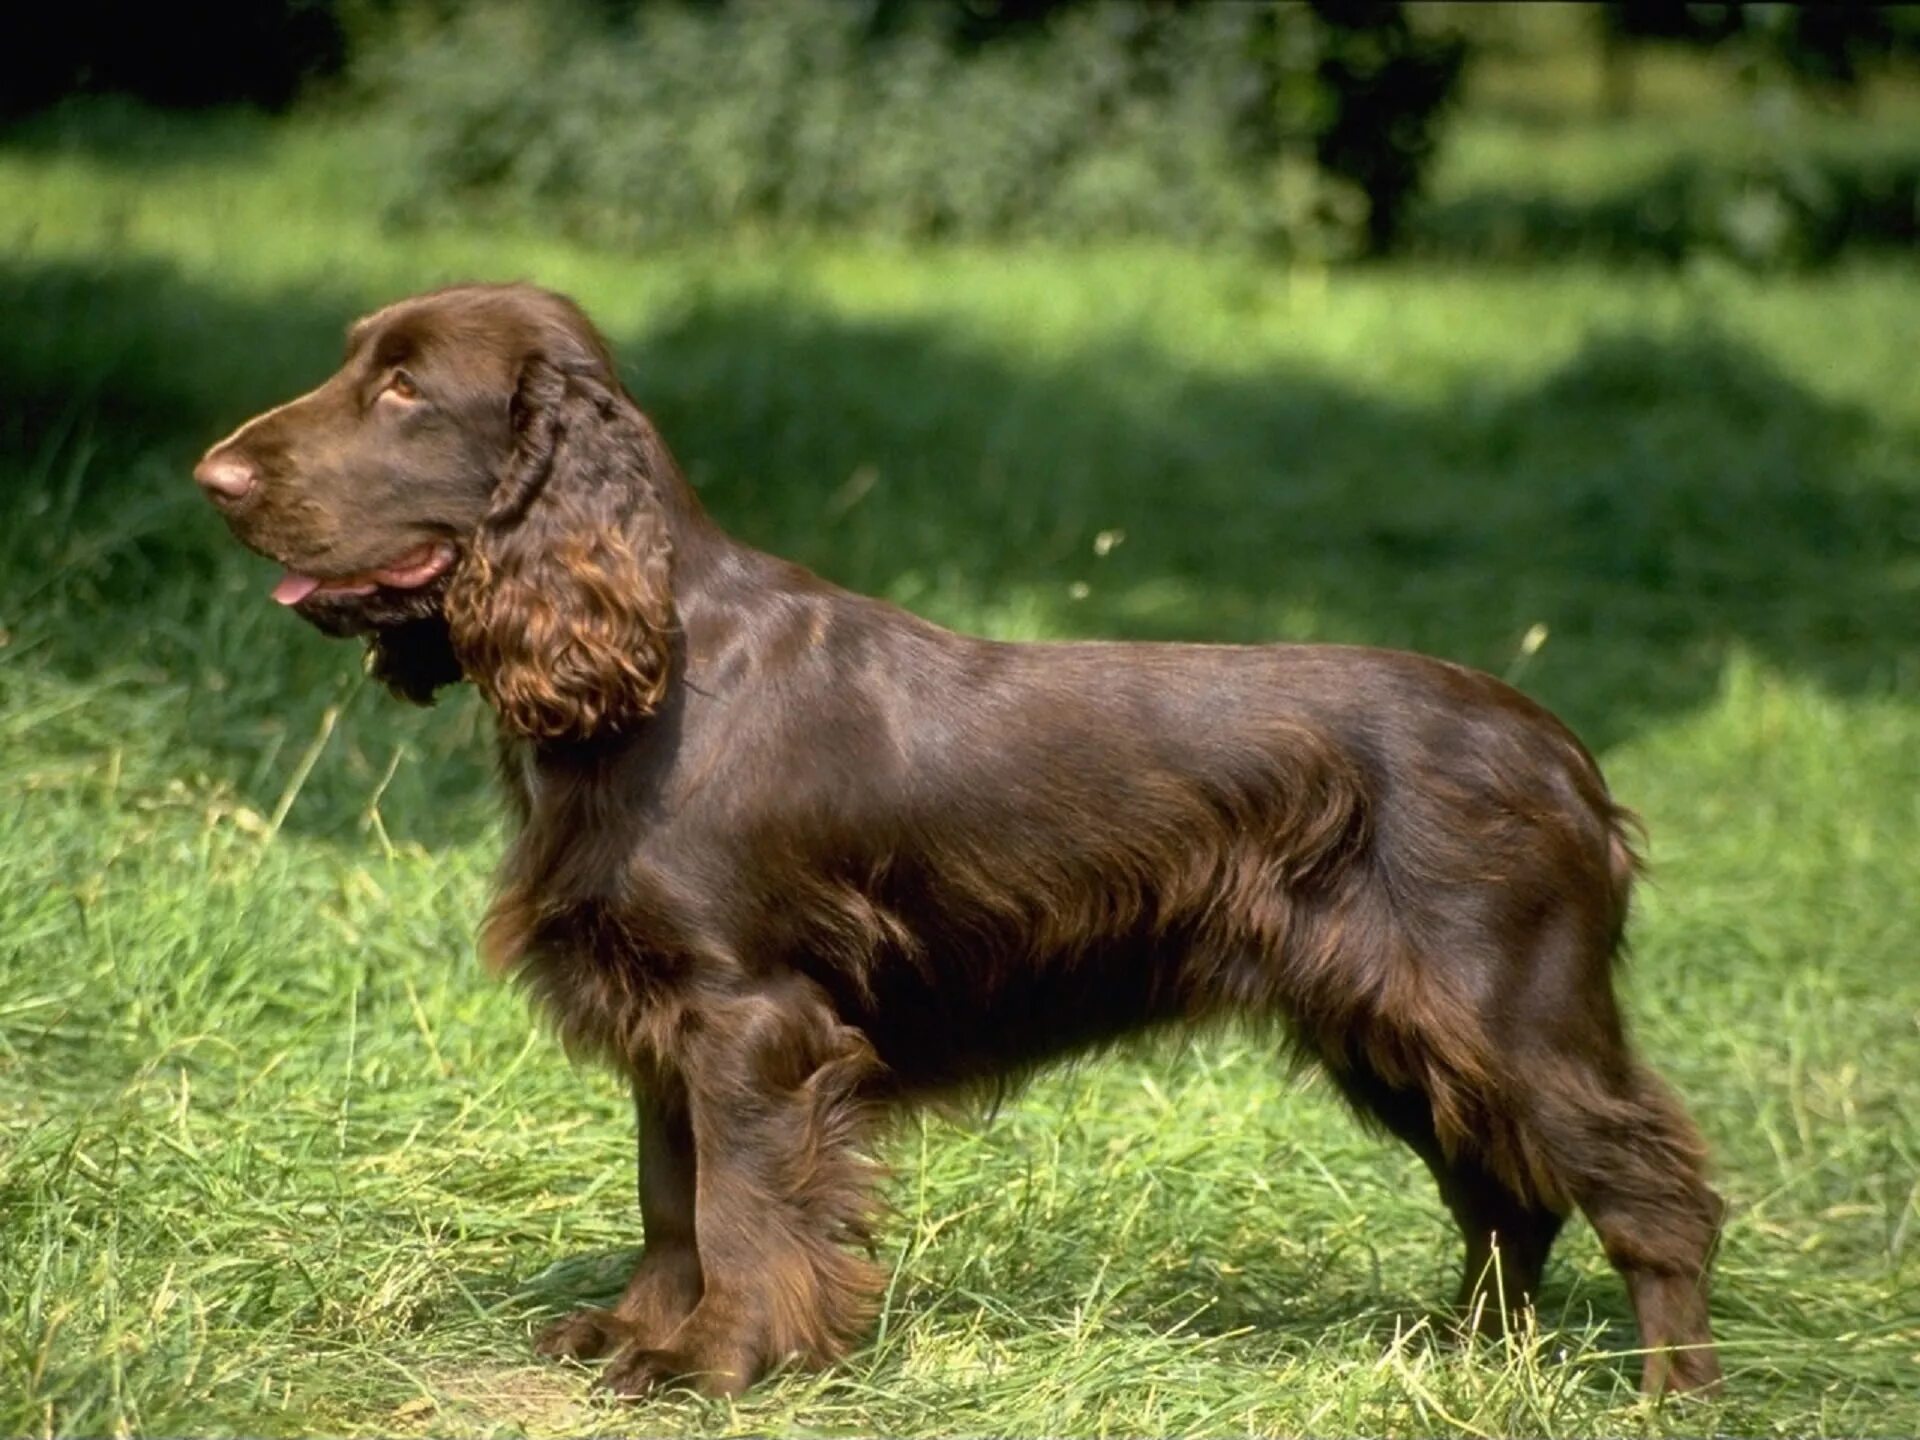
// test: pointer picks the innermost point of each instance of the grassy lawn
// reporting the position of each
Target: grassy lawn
(276, 1157)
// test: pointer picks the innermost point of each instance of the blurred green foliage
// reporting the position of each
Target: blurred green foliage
(1832, 43)
(1771, 205)
(1310, 130)
(1306, 128)
(1781, 197)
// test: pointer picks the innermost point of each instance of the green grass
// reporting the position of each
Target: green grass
(275, 1157)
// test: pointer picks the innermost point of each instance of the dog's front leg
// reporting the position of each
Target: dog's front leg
(666, 1284)
(775, 1088)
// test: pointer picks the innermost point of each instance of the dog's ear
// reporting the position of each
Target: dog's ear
(562, 608)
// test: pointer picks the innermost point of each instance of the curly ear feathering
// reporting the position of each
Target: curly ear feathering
(562, 609)
(787, 856)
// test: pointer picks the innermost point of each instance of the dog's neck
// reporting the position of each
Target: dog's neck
(717, 582)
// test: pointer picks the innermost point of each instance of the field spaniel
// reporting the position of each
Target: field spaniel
(790, 858)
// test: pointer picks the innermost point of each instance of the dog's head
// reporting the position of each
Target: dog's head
(474, 494)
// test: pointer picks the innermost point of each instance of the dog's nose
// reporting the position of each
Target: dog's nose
(224, 477)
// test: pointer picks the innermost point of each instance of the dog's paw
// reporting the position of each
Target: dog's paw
(584, 1335)
(641, 1370)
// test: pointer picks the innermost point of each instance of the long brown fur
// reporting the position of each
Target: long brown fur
(789, 857)
(562, 612)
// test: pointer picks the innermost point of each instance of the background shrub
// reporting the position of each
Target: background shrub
(1310, 130)
(1307, 127)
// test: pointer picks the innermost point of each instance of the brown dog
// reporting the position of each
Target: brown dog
(788, 856)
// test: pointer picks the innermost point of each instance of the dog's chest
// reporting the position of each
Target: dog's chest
(582, 866)
(600, 949)
(578, 830)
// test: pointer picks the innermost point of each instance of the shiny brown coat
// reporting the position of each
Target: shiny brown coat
(787, 856)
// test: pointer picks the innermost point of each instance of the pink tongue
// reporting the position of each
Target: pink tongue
(293, 588)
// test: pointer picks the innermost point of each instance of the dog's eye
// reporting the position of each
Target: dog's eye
(401, 387)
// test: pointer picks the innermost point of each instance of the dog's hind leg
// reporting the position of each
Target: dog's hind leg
(1508, 1237)
(1620, 1145)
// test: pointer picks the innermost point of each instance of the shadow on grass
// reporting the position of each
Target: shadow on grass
(1655, 503)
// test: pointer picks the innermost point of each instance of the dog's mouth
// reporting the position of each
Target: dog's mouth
(417, 568)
